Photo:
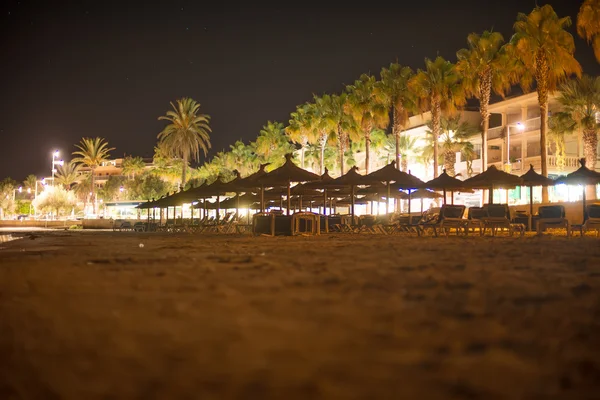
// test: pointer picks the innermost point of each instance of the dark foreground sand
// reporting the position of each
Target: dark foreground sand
(96, 316)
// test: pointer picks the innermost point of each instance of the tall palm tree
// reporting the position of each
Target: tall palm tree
(580, 100)
(345, 126)
(325, 125)
(483, 67)
(588, 24)
(187, 133)
(300, 129)
(394, 81)
(68, 174)
(92, 153)
(438, 89)
(455, 137)
(367, 104)
(133, 166)
(545, 50)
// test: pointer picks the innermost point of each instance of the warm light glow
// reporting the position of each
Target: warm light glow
(20, 189)
(520, 126)
(56, 154)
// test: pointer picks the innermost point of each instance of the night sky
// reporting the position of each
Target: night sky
(109, 69)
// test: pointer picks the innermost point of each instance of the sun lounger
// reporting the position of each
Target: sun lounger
(474, 220)
(592, 223)
(450, 217)
(552, 217)
(498, 219)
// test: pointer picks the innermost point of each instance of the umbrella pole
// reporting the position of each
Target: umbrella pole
(387, 199)
(218, 208)
(530, 207)
(300, 203)
(237, 204)
(491, 195)
(325, 210)
(409, 218)
(352, 204)
(289, 201)
(192, 211)
(452, 197)
(444, 196)
(584, 210)
(262, 198)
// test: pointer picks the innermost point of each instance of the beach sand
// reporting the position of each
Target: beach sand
(98, 316)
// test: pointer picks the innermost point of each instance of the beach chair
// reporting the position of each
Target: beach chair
(552, 217)
(474, 220)
(498, 219)
(449, 217)
(592, 223)
(121, 225)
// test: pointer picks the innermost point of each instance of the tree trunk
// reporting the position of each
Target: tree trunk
(396, 130)
(342, 147)
(436, 111)
(367, 147)
(541, 77)
(183, 172)
(449, 161)
(485, 91)
(590, 147)
(322, 144)
(404, 164)
(93, 190)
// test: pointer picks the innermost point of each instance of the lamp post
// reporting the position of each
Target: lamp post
(54, 163)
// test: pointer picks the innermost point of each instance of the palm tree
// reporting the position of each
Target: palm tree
(560, 124)
(92, 153)
(438, 89)
(483, 67)
(408, 147)
(345, 126)
(325, 125)
(588, 24)
(133, 166)
(394, 82)
(545, 50)
(188, 132)
(455, 138)
(68, 174)
(30, 183)
(580, 100)
(242, 158)
(300, 129)
(367, 104)
(271, 145)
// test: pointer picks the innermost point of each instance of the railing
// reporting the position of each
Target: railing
(570, 162)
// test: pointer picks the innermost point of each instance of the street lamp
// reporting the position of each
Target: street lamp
(54, 163)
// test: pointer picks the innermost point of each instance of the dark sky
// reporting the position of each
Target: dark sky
(109, 69)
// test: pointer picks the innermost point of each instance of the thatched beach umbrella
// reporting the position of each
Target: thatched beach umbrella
(351, 178)
(425, 194)
(531, 179)
(445, 182)
(493, 178)
(285, 175)
(389, 174)
(583, 176)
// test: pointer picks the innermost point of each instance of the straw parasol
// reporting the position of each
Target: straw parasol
(425, 194)
(285, 175)
(583, 176)
(351, 179)
(531, 179)
(389, 174)
(445, 182)
(493, 178)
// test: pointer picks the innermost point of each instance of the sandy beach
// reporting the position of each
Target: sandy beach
(151, 316)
